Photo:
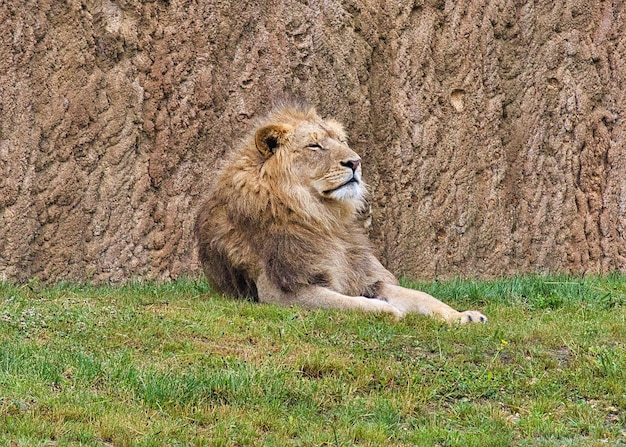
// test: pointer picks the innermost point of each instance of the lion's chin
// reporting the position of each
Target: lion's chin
(349, 191)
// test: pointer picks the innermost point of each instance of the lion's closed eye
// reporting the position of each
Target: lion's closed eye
(315, 146)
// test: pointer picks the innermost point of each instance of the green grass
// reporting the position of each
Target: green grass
(175, 364)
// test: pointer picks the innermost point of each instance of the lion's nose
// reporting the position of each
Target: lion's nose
(352, 164)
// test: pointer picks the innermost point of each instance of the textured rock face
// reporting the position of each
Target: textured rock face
(492, 133)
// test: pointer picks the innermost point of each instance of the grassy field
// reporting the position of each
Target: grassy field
(175, 364)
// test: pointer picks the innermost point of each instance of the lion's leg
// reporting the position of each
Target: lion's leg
(414, 301)
(321, 298)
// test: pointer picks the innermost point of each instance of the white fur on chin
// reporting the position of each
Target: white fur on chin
(352, 191)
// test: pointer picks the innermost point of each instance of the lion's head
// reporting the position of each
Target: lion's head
(308, 158)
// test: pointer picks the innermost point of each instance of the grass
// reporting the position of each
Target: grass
(174, 364)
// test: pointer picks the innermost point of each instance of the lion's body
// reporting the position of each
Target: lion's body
(280, 222)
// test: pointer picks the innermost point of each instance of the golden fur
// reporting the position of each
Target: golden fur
(280, 223)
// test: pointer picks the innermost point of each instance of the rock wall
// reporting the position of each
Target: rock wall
(492, 132)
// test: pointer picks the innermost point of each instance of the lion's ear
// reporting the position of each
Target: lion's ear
(269, 138)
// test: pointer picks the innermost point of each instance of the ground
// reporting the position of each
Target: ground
(148, 364)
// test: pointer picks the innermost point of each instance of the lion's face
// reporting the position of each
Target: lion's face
(313, 154)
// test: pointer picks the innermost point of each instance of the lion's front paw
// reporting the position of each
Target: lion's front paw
(471, 316)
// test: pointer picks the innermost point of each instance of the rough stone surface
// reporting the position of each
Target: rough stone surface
(492, 132)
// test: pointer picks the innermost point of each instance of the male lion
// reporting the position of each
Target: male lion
(280, 225)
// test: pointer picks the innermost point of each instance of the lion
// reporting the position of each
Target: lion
(280, 224)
